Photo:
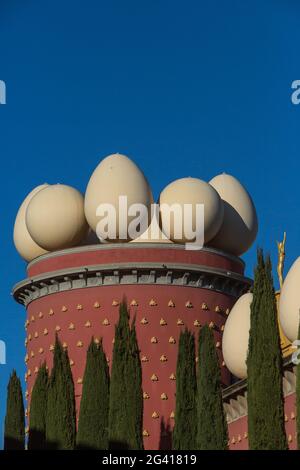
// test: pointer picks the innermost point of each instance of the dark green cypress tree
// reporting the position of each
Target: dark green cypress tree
(185, 430)
(38, 404)
(264, 364)
(134, 391)
(118, 422)
(60, 415)
(14, 428)
(126, 405)
(212, 427)
(93, 419)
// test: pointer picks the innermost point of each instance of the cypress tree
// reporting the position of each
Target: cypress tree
(94, 405)
(38, 403)
(185, 430)
(60, 415)
(118, 423)
(212, 427)
(134, 391)
(125, 405)
(264, 364)
(14, 428)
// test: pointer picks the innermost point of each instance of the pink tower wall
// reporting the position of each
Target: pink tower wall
(57, 312)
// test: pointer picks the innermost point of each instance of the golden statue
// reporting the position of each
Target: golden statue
(286, 346)
(281, 257)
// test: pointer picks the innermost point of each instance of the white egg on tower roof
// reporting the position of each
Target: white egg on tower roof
(23, 241)
(289, 302)
(191, 191)
(115, 176)
(55, 217)
(236, 336)
(239, 228)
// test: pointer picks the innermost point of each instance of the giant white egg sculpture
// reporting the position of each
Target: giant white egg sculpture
(289, 302)
(117, 186)
(239, 228)
(178, 210)
(55, 217)
(236, 336)
(23, 241)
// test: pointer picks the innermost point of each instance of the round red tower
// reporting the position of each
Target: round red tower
(77, 292)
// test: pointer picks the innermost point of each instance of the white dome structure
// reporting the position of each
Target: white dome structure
(23, 241)
(116, 176)
(289, 302)
(190, 191)
(236, 336)
(55, 217)
(239, 228)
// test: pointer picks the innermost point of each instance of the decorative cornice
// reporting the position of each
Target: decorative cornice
(175, 274)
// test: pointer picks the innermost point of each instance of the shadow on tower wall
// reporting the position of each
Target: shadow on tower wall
(165, 440)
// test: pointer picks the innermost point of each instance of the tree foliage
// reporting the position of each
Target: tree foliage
(14, 427)
(126, 402)
(38, 406)
(264, 365)
(60, 415)
(94, 405)
(185, 430)
(212, 427)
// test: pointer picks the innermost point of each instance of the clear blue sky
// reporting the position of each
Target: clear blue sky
(185, 88)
